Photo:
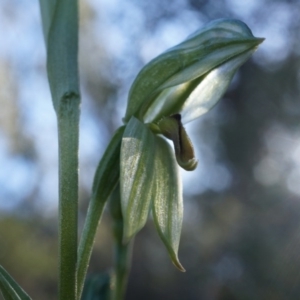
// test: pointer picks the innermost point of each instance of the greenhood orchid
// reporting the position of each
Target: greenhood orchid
(177, 87)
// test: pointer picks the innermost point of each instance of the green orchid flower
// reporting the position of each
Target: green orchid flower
(177, 87)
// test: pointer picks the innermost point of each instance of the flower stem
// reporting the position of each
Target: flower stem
(68, 121)
(122, 252)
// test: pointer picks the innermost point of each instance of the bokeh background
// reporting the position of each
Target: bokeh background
(241, 230)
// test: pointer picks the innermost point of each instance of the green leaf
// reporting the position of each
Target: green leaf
(167, 207)
(47, 10)
(97, 287)
(136, 176)
(108, 170)
(105, 180)
(206, 49)
(10, 288)
(62, 51)
(7, 291)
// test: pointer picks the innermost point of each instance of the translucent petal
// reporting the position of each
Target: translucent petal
(136, 176)
(211, 89)
(200, 53)
(167, 205)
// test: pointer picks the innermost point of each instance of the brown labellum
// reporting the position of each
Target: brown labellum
(172, 128)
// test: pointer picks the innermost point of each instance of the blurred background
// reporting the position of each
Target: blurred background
(241, 230)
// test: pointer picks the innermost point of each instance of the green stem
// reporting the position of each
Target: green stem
(122, 255)
(60, 24)
(68, 131)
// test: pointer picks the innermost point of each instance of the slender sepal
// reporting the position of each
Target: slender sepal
(136, 176)
(167, 205)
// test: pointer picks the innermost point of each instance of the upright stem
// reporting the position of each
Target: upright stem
(60, 24)
(68, 121)
(122, 253)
